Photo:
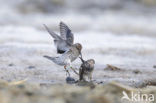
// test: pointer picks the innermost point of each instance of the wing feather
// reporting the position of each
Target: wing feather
(54, 35)
(66, 33)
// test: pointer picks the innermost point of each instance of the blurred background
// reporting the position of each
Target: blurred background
(118, 32)
(118, 16)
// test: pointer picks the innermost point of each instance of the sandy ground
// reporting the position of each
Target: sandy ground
(121, 34)
(22, 50)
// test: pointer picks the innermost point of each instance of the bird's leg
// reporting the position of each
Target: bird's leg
(81, 58)
(67, 72)
(81, 74)
(80, 54)
(74, 70)
(90, 78)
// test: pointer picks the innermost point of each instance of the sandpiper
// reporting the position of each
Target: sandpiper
(86, 69)
(65, 46)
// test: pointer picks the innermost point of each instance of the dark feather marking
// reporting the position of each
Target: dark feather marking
(60, 51)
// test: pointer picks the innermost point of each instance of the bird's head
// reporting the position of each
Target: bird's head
(91, 62)
(78, 46)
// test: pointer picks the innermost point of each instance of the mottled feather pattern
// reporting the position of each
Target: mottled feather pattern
(86, 69)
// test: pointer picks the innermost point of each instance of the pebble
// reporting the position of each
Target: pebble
(136, 71)
(70, 80)
(31, 67)
(11, 65)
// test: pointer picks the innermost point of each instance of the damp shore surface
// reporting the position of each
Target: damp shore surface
(120, 37)
(22, 50)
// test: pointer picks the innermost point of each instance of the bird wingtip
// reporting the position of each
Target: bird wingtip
(45, 25)
(45, 56)
(61, 22)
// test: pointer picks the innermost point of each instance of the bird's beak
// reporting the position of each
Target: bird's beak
(80, 54)
(81, 57)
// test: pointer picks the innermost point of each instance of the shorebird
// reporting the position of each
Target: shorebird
(65, 46)
(66, 58)
(86, 69)
(63, 41)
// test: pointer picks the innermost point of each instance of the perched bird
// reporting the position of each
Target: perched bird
(63, 41)
(69, 56)
(86, 69)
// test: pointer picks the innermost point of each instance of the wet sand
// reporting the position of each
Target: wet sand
(122, 35)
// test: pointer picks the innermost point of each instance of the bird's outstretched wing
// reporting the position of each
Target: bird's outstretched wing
(66, 33)
(54, 35)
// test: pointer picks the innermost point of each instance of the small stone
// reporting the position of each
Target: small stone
(111, 67)
(154, 66)
(31, 67)
(86, 83)
(11, 65)
(101, 82)
(28, 93)
(21, 86)
(70, 80)
(136, 71)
